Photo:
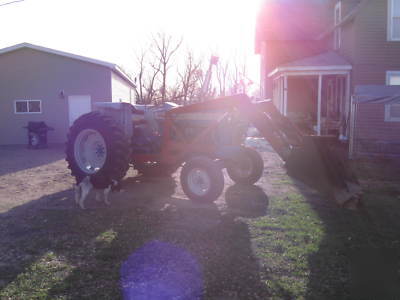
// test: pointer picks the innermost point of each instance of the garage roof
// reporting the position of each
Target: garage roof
(115, 68)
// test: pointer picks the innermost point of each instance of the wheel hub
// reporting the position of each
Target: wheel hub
(199, 181)
(90, 151)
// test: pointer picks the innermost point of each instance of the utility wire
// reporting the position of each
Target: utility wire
(11, 2)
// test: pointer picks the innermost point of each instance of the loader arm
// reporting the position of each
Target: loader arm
(308, 158)
(279, 131)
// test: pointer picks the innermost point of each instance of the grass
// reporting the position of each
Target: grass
(289, 245)
(310, 249)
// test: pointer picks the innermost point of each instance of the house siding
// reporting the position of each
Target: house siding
(374, 54)
(31, 74)
(372, 135)
(348, 46)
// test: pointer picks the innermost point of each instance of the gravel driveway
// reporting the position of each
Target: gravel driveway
(27, 175)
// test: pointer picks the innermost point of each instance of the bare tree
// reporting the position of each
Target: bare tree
(145, 79)
(222, 77)
(164, 49)
(239, 81)
(189, 78)
(139, 79)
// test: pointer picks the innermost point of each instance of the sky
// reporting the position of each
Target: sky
(115, 30)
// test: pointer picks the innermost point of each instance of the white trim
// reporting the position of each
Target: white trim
(319, 104)
(111, 66)
(353, 111)
(388, 117)
(347, 104)
(263, 72)
(338, 6)
(389, 73)
(337, 37)
(390, 22)
(312, 73)
(285, 95)
(27, 103)
(315, 69)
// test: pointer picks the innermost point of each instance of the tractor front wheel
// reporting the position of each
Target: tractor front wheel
(202, 179)
(248, 168)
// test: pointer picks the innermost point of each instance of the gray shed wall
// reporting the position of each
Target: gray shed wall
(27, 74)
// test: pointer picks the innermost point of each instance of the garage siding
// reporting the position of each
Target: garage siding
(121, 90)
(30, 74)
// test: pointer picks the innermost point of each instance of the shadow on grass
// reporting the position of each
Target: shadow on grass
(358, 256)
(52, 249)
(18, 157)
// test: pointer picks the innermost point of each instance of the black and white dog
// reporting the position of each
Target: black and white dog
(101, 187)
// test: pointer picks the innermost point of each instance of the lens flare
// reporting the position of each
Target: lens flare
(159, 270)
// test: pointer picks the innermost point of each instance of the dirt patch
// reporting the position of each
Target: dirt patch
(26, 175)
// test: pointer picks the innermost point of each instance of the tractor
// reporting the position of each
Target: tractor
(203, 138)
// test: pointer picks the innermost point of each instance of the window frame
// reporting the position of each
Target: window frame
(388, 117)
(337, 34)
(27, 103)
(390, 73)
(390, 23)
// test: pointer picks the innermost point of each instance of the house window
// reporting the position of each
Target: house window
(393, 78)
(394, 20)
(27, 106)
(392, 112)
(338, 30)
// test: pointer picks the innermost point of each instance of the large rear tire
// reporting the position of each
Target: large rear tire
(202, 179)
(249, 167)
(97, 147)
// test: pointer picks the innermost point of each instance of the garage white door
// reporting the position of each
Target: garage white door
(78, 105)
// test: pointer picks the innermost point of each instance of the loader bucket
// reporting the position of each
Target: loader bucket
(318, 166)
(308, 158)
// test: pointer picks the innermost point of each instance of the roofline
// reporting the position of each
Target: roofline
(115, 68)
(311, 68)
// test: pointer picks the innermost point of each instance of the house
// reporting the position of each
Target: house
(42, 84)
(316, 53)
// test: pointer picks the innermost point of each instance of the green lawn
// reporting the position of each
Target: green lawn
(290, 245)
(307, 249)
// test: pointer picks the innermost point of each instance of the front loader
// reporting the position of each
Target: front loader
(203, 138)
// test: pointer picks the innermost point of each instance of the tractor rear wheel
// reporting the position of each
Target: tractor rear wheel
(202, 179)
(97, 147)
(249, 167)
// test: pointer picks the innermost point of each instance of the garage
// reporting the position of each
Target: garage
(42, 84)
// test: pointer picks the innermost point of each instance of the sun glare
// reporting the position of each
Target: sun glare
(114, 30)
